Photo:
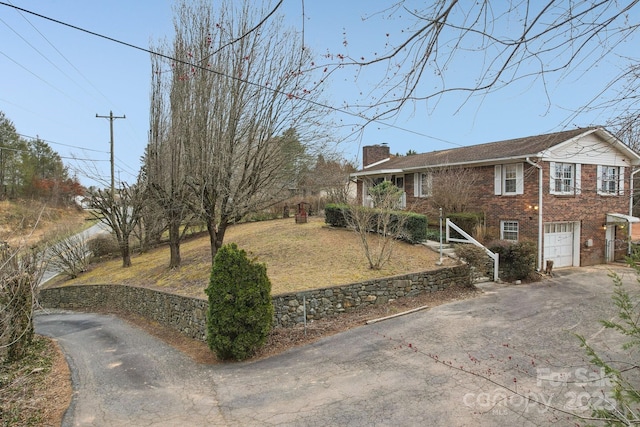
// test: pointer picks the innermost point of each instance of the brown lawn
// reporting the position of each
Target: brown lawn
(297, 256)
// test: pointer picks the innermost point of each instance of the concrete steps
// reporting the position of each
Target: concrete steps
(447, 249)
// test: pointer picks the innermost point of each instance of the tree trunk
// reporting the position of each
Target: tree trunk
(174, 244)
(211, 229)
(216, 236)
(126, 254)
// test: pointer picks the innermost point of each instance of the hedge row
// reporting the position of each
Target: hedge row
(414, 226)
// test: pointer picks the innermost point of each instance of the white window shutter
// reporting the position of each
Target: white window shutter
(416, 184)
(519, 179)
(621, 181)
(578, 179)
(497, 180)
(552, 177)
(365, 192)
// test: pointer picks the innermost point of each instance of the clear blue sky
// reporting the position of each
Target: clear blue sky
(56, 79)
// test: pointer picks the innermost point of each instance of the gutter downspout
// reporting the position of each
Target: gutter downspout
(631, 207)
(540, 225)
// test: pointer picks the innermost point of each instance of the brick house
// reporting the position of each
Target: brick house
(569, 192)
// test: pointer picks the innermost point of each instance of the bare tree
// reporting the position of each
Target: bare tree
(21, 270)
(236, 94)
(511, 41)
(151, 223)
(330, 178)
(378, 227)
(453, 188)
(19, 276)
(627, 129)
(121, 212)
(165, 163)
(68, 252)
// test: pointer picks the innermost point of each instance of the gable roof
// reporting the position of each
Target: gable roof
(492, 152)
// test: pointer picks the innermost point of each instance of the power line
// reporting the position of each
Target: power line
(161, 55)
(123, 165)
(63, 57)
(18, 150)
(64, 145)
(37, 76)
(36, 49)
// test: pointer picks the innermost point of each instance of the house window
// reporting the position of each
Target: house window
(400, 182)
(509, 230)
(563, 174)
(509, 179)
(376, 181)
(422, 184)
(610, 180)
(564, 178)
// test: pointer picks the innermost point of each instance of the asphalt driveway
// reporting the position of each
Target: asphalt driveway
(508, 357)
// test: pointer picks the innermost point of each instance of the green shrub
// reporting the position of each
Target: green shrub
(334, 215)
(414, 226)
(240, 311)
(476, 257)
(517, 259)
(434, 234)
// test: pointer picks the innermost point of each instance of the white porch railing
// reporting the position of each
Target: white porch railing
(469, 239)
(403, 200)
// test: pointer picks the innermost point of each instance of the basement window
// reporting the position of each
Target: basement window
(509, 230)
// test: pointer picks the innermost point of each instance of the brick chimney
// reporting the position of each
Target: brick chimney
(374, 153)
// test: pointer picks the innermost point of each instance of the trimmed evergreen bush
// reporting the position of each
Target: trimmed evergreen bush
(468, 221)
(476, 257)
(517, 259)
(434, 234)
(334, 215)
(240, 311)
(414, 226)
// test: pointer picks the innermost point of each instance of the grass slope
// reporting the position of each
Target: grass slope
(297, 256)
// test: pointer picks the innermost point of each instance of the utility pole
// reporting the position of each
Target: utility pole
(111, 118)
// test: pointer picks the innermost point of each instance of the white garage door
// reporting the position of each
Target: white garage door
(558, 243)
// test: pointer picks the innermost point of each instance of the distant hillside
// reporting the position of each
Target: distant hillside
(27, 222)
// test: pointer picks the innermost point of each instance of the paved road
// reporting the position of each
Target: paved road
(390, 373)
(94, 230)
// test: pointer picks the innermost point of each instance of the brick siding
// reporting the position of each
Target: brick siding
(588, 208)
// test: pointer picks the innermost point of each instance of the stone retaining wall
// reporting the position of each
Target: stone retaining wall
(188, 315)
(289, 309)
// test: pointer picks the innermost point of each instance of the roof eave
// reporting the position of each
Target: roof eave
(376, 172)
(607, 137)
(484, 162)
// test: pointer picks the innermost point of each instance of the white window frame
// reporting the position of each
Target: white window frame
(514, 227)
(503, 174)
(420, 181)
(572, 186)
(610, 175)
(397, 179)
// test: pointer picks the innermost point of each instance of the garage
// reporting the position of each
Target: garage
(560, 244)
